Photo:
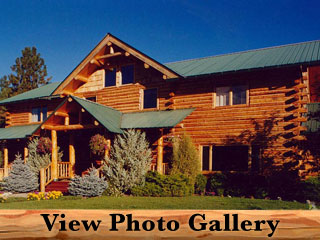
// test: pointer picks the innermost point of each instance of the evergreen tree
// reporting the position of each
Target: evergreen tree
(28, 72)
(90, 185)
(185, 158)
(129, 161)
(21, 178)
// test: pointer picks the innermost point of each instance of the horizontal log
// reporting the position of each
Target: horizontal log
(67, 127)
(110, 55)
(61, 114)
(82, 78)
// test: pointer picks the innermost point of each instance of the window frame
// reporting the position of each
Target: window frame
(118, 75)
(105, 75)
(247, 90)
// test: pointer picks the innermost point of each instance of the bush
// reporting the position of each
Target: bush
(130, 158)
(21, 178)
(200, 184)
(44, 145)
(89, 185)
(310, 189)
(216, 183)
(185, 159)
(157, 185)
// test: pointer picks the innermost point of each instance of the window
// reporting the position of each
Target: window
(110, 78)
(222, 94)
(127, 73)
(39, 114)
(234, 95)
(205, 158)
(150, 98)
(239, 94)
(230, 158)
(92, 99)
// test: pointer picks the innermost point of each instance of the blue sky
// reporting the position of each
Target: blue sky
(168, 30)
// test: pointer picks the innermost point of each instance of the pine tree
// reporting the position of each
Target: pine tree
(29, 72)
(130, 158)
(21, 178)
(90, 185)
(185, 158)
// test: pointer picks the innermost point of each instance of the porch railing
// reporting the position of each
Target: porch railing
(1, 174)
(64, 170)
(165, 167)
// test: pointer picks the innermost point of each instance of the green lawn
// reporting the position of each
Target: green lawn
(193, 202)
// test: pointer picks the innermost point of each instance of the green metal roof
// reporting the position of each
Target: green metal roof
(108, 117)
(313, 123)
(16, 132)
(41, 92)
(292, 54)
(154, 119)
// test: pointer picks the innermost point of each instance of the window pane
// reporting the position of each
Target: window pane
(230, 158)
(239, 95)
(150, 98)
(127, 73)
(222, 96)
(110, 78)
(36, 114)
(205, 158)
(44, 113)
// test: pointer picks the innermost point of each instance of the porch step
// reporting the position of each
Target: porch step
(58, 186)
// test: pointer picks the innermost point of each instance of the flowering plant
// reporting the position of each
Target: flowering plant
(44, 196)
(44, 145)
(98, 144)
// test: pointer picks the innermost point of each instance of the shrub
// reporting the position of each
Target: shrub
(216, 183)
(310, 189)
(98, 144)
(21, 178)
(130, 158)
(40, 154)
(185, 158)
(157, 185)
(89, 185)
(200, 184)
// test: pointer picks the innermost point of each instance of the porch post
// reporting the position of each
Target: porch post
(160, 153)
(72, 154)
(5, 162)
(54, 160)
(25, 154)
(107, 151)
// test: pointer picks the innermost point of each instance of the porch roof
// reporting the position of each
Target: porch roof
(17, 132)
(154, 119)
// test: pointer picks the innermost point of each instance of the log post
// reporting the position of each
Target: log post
(72, 154)
(25, 154)
(107, 151)
(42, 180)
(54, 157)
(5, 162)
(160, 153)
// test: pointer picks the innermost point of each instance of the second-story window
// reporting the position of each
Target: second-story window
(110, 78)
(127, 73)
(39, 114)
(150, 98)
(234, 95)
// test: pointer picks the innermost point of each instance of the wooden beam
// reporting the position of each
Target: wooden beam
(69, 99)
(146, 65)
(5, 162)
(67, 127)
(109, 55)
(107, 151)
(127, 54)
(61, 114)
(66, 92)
(82, 78)
(42, 180)
(66, 121)
(96, 62)
(109, 43)
(164, 77)
(82, 110)
(96, 123)
(54, 155)
(72, 155)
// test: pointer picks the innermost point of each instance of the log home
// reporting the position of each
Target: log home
(241, 110)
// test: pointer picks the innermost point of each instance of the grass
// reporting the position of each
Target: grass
(129, 202)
